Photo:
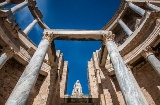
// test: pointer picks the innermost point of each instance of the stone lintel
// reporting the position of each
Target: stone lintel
(76, 34)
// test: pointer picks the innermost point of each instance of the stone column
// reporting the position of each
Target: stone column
(129, 89)
(4, 3)
(150, 57)
(28, 79)
(137, 9)
(125, 27)
(136, 83)
(153, 7)
(30, 26)
(5, 56)
(18, 7)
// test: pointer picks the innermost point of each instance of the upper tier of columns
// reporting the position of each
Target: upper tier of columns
(137, 9)
(30, 26)
(6, 54)
(149, 56)
(128, 87)
(125, 27)
(28, 79)
(153, 7)
(4, 3)
(18, 7)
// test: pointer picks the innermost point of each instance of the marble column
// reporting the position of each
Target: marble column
(125, 27)
(28, 79)
(4, 3)
(137, 9)
(135, 82)
(153, 7)
(30, 26)
(129, 89)
(6, 54)
(150, 57)
(18, 7)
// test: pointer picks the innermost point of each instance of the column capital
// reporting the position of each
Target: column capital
(48, 36)
(147, 51)
(109, 37)
(9, 51)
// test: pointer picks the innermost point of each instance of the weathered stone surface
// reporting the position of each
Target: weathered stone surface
(128, 88)
(50, 87)
(149, 81)
(27, 80)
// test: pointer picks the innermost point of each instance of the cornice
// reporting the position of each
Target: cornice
(119, 13)
(150, 39)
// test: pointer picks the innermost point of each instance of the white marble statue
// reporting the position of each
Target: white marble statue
(77, 89)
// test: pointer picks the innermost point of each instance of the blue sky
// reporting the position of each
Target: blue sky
(72, 14)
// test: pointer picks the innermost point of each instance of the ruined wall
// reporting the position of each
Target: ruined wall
(63, 81)
(149, 82)
(9, 76)
(49, 93)
(107, 86)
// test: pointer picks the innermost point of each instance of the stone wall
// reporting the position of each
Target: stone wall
(106, 87)
(109, 92)
(54, 85)
(149, 82)
(9, 76)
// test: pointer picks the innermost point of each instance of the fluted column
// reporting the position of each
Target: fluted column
(129, 89)
(6, 54)
(150, 57)
(153, 7)
(30, 26)
(4, 3)
(125, 27)
(18, 7)
(137, 9)
(28, 79)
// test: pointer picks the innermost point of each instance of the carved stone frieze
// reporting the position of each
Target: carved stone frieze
(48, 36)
(108, 37)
